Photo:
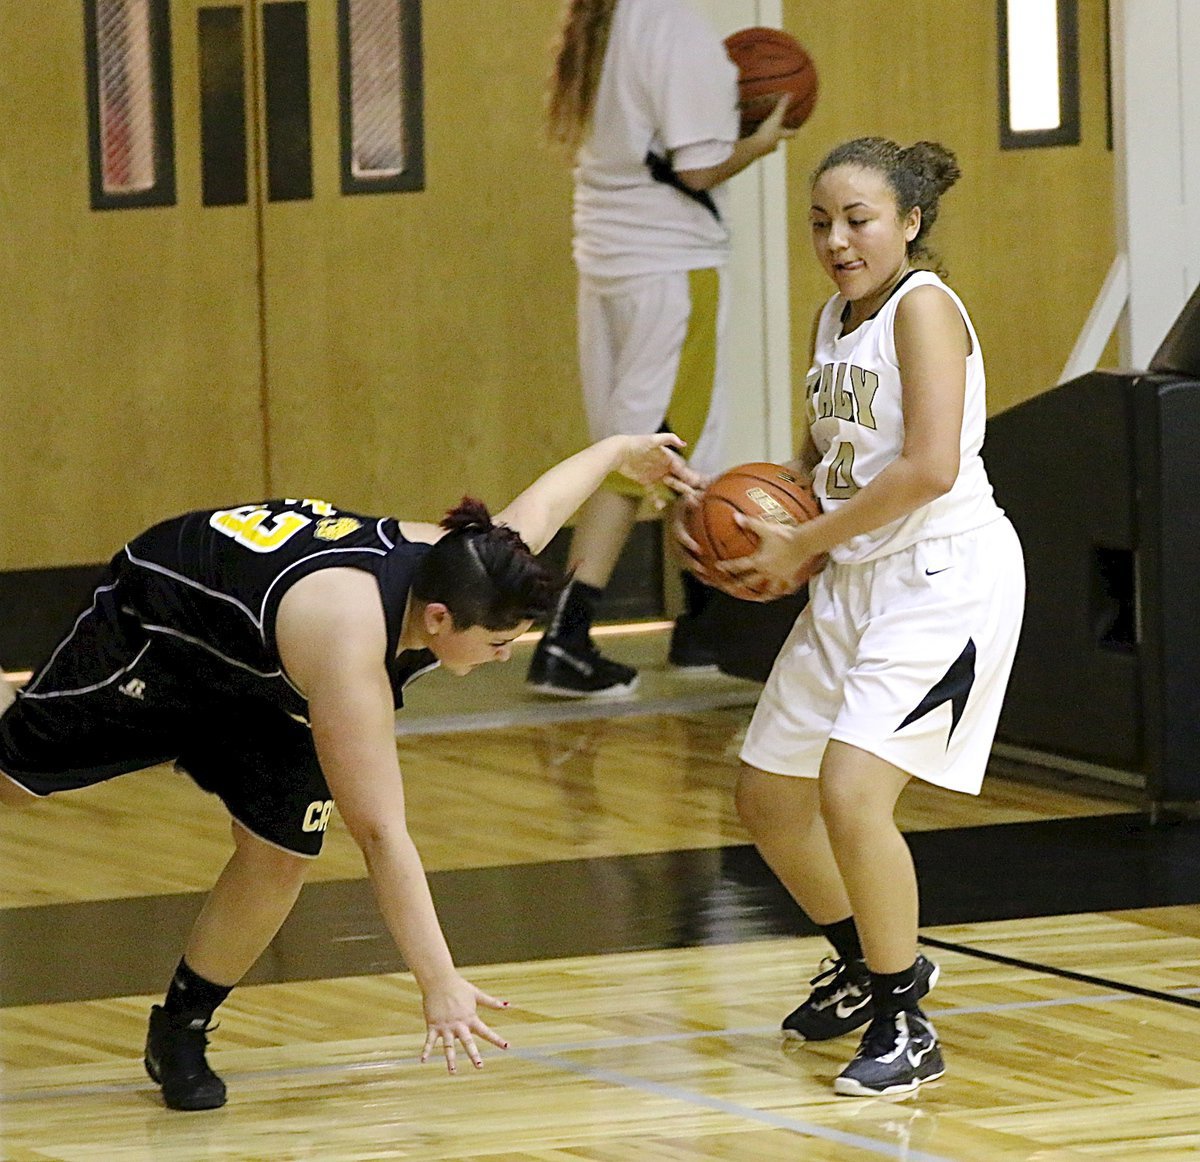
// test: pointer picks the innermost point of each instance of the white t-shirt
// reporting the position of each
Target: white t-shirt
(855, 414)
(667, 87)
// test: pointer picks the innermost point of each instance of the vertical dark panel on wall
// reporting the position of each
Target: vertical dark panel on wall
(289, 116)
(222, 107)
(1108, 102)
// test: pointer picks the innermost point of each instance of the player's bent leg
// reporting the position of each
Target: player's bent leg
(246, 907)
(899, 1050)
(783, 815)
(8, 694)
(858, 800)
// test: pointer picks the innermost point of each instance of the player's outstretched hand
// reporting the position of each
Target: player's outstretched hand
(649, 459)
(450, 1017)
(654, 460)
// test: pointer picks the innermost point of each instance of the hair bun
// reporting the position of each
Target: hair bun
(934, 162)
(469, 515)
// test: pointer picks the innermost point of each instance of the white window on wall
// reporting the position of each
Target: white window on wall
(1039, 73)
(380, 57)
(129, 103)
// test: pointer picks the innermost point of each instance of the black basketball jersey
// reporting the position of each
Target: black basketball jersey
(206, 587)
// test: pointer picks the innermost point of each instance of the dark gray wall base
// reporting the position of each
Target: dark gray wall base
(37, 607)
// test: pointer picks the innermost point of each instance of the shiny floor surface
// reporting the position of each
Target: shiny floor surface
(589, 868)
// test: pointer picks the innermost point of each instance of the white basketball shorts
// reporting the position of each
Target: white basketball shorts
(651, 353)
(906, 656)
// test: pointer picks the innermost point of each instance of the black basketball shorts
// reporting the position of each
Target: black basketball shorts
(107, 703)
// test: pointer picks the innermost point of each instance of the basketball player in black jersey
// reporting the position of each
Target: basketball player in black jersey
(264, 649)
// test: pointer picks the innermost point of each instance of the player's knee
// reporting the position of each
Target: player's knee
(273, 867)
(767, 802)
(750, 802)
(851, 817)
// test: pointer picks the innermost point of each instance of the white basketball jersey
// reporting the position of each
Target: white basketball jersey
(855, 414)
(667, 87)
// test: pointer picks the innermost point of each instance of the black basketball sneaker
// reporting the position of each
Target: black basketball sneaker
(897, 1054)
(841, 999)
(571, 671)
(175, 1060)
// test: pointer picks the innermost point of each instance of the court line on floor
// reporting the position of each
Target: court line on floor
(544, 714)
(733, 1109)
(1174, 998)
(55, 1093)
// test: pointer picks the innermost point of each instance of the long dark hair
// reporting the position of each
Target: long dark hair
(484, 573)
(578, 62)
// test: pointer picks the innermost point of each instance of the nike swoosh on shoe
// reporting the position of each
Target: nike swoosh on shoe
(845, 1010)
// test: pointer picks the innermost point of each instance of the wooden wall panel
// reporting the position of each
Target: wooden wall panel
(423, 344)
(129, 365)
(1026, 236)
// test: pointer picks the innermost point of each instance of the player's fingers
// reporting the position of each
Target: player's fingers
(488, 1001)
(427, 1048)
(669, 440)
(472, 1049)
(755, 524)
(775, 117)
(451, 1055)
(739, 568)
(685, 540)
(488, 1034)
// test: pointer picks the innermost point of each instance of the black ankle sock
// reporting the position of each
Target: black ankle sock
(696, 595)
(844, 937)
(894, 992)
(573, 618)
(190, 993)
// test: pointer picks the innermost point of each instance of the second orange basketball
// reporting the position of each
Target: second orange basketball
(770, 62)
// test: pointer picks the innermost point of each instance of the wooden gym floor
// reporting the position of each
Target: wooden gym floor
(588, 866)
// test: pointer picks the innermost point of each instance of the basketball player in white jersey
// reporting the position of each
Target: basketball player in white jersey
(644, 95)
(897, 667)
(264, 649)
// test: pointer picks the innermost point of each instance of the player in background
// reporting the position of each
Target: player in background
(264, 649)
(897, 667)
(644, 96)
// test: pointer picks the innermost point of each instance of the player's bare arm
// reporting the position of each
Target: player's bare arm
(546, 505)
(932, 345)
(746, 150)
(332, 641)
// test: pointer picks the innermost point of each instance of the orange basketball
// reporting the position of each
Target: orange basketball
(769, 64)
(768, 491)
